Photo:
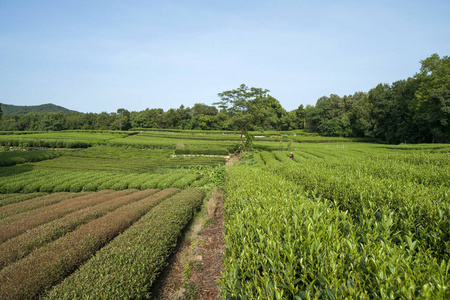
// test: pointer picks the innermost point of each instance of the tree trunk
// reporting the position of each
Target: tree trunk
(242, 139)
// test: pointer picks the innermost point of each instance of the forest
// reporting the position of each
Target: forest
(412, 110)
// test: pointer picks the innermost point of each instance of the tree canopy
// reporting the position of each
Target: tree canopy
(244, 106)
(412, 110)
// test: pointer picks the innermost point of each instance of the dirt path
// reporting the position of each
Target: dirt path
(234, 159)
(210, 256)
(194, 269)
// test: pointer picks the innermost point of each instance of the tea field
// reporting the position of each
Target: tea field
(107, 244)
(62, 210)
(96, 214)
(355, 221)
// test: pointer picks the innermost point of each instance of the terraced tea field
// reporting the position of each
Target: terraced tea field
(101, 167)
(341, 220)
(45, 239)
(358, 221)
(63, 210)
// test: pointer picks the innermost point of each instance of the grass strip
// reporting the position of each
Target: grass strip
(128, 266)
(48, 265)
(20, 246)
(18, 224)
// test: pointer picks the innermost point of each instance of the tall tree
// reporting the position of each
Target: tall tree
(242, 106)
(271, 113)
(431, 106)
(122, 119)
(300, 114)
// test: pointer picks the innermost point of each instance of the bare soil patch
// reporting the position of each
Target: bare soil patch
(234, 159)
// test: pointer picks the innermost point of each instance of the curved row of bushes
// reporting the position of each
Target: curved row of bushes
(31, 276)
(6, 199)
(76, 181)
(20, 246)
(17, 224)
(15, 204)
(127, 267)
(11, 158)
(7, 141)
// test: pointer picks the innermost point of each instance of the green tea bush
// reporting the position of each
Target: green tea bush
(19, 203)
(186, 181)
(282, 244)
(46, 266)
(6, 199)
(20, 246)
(206, 150)
(128, 266)
(170, 179)
(19, 223)
(361, 193)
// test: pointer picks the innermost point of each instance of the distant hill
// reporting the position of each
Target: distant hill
(8, 109)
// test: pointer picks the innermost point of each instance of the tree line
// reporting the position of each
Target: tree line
(412, 110)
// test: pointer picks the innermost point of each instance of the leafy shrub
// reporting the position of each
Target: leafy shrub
(128, 266)
(46, 266)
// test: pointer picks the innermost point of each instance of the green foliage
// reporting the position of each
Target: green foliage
(12, 158)
(104, 167)
(128, 266)
(6, 199)
(338, 222)
(218, 176)
(246, 106)
(248, 158)
(20, 246)
(204, 149)
(46, 266)
(248, 143)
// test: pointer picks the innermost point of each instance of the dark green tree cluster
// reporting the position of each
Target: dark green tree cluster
(415, 110)
(340, 116)
(199, 117)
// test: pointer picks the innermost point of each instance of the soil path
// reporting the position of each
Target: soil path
(210, 256)
(194, 269)
(234, 159)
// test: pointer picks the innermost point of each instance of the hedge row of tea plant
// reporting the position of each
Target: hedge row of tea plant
(282, 243)
(206, 150)
(6, 199)
(31, 201)
(20, 246)
(126, 160)
(11, 158)
(48, 265)
(8, 141)
(127, 267)
(417, 195)
(20, 223)
(54, 180)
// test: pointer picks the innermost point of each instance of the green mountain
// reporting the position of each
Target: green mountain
(8, 109)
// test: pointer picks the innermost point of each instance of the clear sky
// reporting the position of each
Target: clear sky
(101, 55)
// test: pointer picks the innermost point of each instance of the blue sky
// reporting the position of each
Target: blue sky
(95, 56)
